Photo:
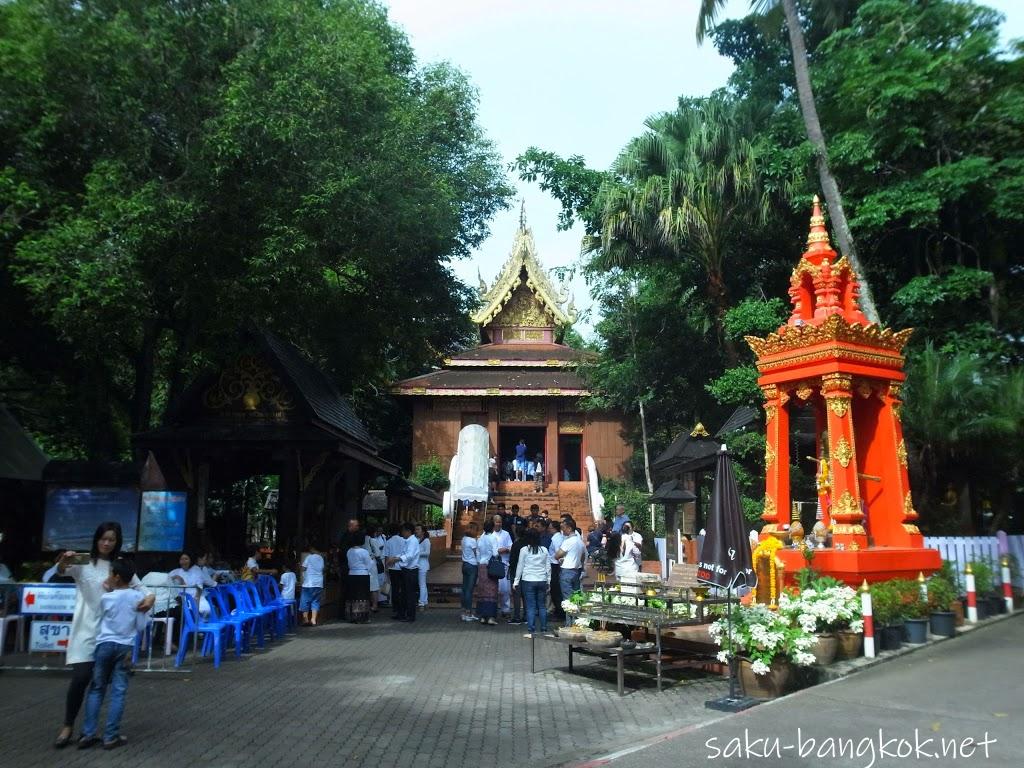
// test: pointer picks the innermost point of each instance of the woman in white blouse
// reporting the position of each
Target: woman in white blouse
(190, 576)
(423, 536)
(89, 577)
(357, 585)
(533, 572)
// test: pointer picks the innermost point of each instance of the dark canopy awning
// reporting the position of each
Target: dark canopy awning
(671, 492)
(20, 457)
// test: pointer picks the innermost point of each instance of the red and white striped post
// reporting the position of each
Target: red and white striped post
(1007, 585)
(869, 622)
(972, 596)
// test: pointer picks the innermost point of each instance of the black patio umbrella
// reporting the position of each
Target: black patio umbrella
(725, 558)
(726, 561)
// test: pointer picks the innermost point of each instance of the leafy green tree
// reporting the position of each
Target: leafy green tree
(205, 163)
(815, 134)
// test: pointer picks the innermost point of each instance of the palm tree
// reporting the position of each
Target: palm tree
(680, 190)
(705, 20)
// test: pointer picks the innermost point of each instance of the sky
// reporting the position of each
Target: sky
(575, 77)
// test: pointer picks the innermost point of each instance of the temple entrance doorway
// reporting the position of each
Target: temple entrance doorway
(509, 437)
(570, 454)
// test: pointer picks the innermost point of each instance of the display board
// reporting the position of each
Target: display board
(162, 521)
(73, 513)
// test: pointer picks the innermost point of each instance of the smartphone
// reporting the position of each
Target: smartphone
(80, 558)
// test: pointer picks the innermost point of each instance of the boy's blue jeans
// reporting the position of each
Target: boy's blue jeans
(111, 667)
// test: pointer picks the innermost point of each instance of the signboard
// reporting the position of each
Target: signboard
(48, 599)
(49, 636)
(162, 522)
(72, 515)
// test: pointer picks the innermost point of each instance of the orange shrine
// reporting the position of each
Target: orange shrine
(829, 358)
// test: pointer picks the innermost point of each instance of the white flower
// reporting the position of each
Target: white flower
(584, 623)
(857, 625)
(570, 607)
(760, 668)
(803, 659)
(723, 656)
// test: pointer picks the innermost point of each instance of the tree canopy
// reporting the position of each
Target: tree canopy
(169, 170)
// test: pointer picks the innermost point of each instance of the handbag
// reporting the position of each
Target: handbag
(496, 568)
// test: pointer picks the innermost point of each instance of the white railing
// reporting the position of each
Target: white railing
(961, 550)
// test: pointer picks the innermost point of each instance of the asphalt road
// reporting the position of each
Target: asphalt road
(957, 703)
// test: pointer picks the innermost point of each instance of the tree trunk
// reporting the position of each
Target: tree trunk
(829, 186)
(179, 364)
(145, 365)
(720, 303)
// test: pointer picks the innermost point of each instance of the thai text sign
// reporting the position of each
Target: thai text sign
(49, 636)
(48, 598)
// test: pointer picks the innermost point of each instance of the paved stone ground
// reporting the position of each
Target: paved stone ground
(436, 693)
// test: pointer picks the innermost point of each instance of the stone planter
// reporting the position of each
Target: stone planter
(982, 605)
(890, 638)
(996, 606)
(943, 623)
(849, 644)
(917, 631)
(825, 649)
(767, 686)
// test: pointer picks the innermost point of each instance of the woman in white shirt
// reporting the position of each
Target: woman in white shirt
(357, 585)
(424, 538)
(533, 572)
(470, 563)
(189, 576)
(383, 588)
(371, 547)
(621, 552)
(89, 578)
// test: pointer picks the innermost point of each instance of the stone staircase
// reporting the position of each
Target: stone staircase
(565, 498)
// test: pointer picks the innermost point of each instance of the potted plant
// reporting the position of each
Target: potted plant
(941, 595)
(824, 607)
(766, 644)
(915, 613)
(886, 609)
(951, 576)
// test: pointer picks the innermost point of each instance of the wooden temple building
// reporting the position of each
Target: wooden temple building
(520, 382)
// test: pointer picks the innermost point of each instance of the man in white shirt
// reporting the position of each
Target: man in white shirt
(409, 563)
(556, 585)
(393, 549)
(504, 540)
(570, 554)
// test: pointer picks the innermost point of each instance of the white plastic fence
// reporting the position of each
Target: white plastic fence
(961, 550)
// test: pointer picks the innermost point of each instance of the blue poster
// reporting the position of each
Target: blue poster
(72, 515)
(162, 522)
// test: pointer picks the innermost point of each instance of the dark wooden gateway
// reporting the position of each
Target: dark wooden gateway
(267, 411)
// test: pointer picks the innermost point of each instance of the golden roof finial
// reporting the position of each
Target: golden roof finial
(817, 238)
(699, 431)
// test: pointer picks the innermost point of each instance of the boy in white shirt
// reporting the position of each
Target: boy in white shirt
(312, 586)
(288, 582)
(120, 622)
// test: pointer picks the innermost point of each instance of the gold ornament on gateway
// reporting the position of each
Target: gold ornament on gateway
(769, 454)
(901, 452)
(840, 406)
(769, 413)
(770, 509)
(842, 452)
(804, 390)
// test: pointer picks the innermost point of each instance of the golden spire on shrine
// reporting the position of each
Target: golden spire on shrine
(817, 238)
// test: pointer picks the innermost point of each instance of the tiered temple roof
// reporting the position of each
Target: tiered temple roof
(519, 316)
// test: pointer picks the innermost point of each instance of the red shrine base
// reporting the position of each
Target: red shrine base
(872, 563)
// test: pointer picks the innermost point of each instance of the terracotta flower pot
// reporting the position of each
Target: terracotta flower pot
(825, 649)
(768, 686)
(849, 644)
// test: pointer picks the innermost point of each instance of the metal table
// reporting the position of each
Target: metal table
(619, 654)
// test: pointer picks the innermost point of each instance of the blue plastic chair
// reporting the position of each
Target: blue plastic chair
(271, 596)
(277, 614)
(244, 604)
(241, 624)
(192, 624)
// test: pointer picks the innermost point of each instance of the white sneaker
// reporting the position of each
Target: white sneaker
(473, 618)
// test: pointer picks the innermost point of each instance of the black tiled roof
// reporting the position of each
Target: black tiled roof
(528, 352)
(20, 457)
(317, 389)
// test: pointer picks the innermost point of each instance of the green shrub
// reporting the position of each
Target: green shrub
(941, 594)
(984, 577)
